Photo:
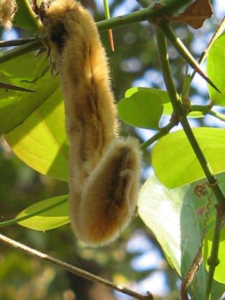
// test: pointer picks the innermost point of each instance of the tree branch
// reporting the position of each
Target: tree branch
(23, 49)
(18, 42)
(150, 13)
(73, 269)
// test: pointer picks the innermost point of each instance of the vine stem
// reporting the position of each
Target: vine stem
(150, 13)
(183, 51)
(213, 183)
(72, 269)
(162, 132)
(206, 110)
(23, 49)
(213, 260)
(217, 115)
(17, 42)
(110, 33)
(180, 112)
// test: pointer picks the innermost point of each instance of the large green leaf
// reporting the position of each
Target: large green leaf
(219, 274)
(47, 214)
(175, 162)
(177, 218)
(40, 141)
(27, 71)
(143, 107)
(216, 70)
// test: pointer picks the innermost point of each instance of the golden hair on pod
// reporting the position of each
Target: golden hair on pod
(109, 197)
(99, 160)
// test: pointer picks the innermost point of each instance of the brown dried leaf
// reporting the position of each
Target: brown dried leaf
(196, 13)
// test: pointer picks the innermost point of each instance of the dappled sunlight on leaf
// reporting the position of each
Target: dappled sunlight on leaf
(173, 216)
(49, 219)
(143, 107)
(41, 140)
(215, 70)
(175, 163)
(30, 72)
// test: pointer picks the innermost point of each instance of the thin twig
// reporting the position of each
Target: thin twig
(110, 33)
(206, 110)
(183, 51)
(23, 49)
(149, 13)
(18, 42)
(217, 115)
(162, 132)
(73, 269)
(7, 86)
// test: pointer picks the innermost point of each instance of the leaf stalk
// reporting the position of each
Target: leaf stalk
(162, 132)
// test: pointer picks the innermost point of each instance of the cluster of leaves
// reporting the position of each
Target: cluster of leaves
(34, 128)
(171, 210)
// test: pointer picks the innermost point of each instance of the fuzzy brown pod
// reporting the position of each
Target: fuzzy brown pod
(104, 169)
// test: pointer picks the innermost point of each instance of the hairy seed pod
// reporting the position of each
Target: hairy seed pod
(104, 170)
(109, 196)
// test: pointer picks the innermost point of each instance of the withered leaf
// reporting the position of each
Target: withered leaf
(196, 13)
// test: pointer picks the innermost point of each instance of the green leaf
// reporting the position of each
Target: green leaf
(219, 274)
(158, 206)
(25, 17)
(47, 214)
(39, 2)
(175, 163)
(143, 107)
(30, 72)
(216, 71)
(177, 219)
(41, 141)
(132, 91)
